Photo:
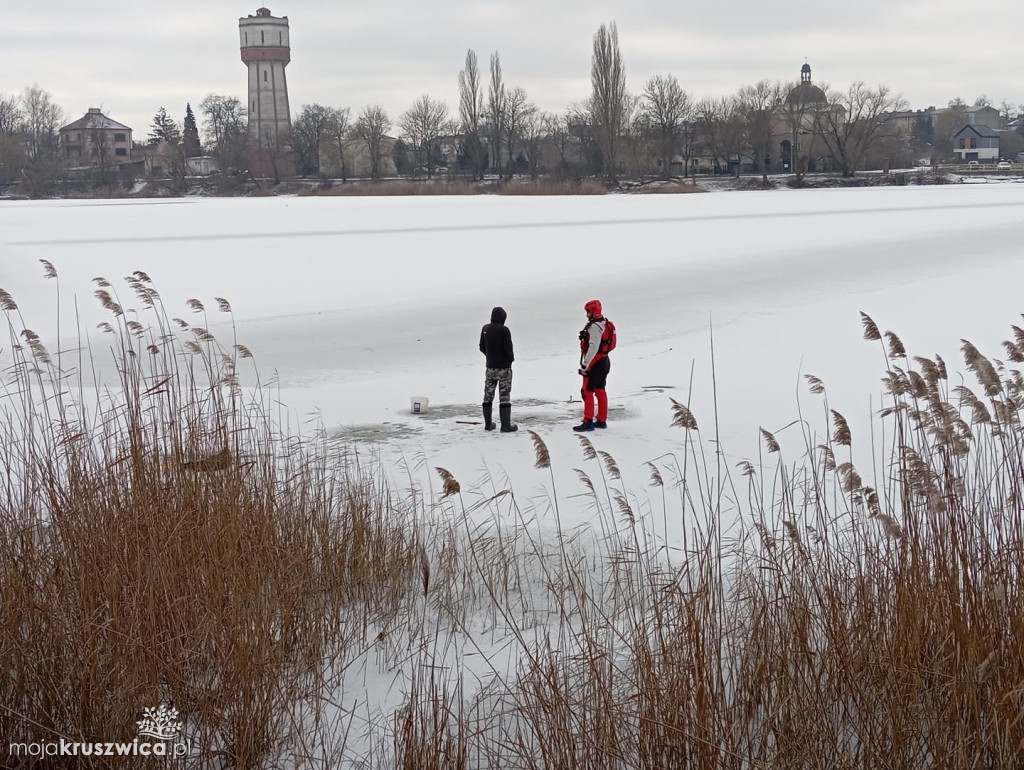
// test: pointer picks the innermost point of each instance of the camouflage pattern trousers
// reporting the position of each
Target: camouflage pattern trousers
(500, 379)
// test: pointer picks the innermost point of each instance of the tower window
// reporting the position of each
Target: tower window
(280, 38)
(264, 76)
(263, 37)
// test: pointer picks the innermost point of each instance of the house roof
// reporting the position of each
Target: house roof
(980, 131)
(94, 119)
(967, 110)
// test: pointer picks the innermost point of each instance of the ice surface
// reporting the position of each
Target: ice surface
(359, 303)
(356, 304)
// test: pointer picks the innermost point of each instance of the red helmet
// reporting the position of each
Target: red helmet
(593, 308)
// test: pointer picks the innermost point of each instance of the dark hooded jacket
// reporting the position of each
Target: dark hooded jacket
(496, 341)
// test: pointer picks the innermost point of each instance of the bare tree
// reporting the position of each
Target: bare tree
(581, 128)
(518, 110)
(758, 106)
(101, 155)
(275, 144)
(667, 108)
(41, 119)
(12, 145)
(423, 125)
(168, 140)
(10, 114)
(950, 121)
(608, 97)
(496, 111)
(643, 146)
(309, 129)
(533, 132)
(372, 125)
(857, 120)
(40, 123)
(471, 109)
(226, 131)
(688, 143)
(636, 150)
(983, 101)
(339, 131)
(213, 109)
(556, 130)
(721, 128)
(1007, 112)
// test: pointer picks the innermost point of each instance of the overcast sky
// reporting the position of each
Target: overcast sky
(132, 57)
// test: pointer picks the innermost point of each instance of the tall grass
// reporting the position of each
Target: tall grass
(165, 541)
(840, 624)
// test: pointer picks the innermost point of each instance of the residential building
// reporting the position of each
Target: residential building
(973, 116)
(909, 122)
(356, 158)
(159, 160)
(979, 143)
(95, 140)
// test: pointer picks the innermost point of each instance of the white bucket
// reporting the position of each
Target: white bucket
(419, 404)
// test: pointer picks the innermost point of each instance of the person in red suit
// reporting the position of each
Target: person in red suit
(597, 340)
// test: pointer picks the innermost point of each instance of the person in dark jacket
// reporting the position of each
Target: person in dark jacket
(496, 344)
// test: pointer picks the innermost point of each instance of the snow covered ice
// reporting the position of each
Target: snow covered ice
(359, 304)
(355, 305)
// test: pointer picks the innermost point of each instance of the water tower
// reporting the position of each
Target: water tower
(266, 51)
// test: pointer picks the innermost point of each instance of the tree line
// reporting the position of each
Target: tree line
(497, 129)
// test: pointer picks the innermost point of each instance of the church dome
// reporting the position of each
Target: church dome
(807, 93)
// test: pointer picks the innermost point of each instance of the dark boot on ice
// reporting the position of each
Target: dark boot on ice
(585, 427)
(505, 412)
(488, 417)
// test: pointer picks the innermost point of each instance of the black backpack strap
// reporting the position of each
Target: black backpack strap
(584, 335)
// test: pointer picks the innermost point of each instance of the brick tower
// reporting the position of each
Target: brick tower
(266, 51)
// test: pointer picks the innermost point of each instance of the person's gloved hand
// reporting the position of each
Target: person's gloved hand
(583, 371)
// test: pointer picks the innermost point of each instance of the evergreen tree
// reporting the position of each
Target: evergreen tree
(164, 129)
(400, 155)
(924, 132)
(190, 138)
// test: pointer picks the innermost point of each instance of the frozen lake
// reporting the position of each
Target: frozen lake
(360, 303)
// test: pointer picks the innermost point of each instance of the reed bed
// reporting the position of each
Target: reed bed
(166, 541)
(441, 186)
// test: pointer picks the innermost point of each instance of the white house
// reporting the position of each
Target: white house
(202, 165)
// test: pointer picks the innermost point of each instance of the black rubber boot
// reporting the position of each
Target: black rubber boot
(505, 412)
(488, 418)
